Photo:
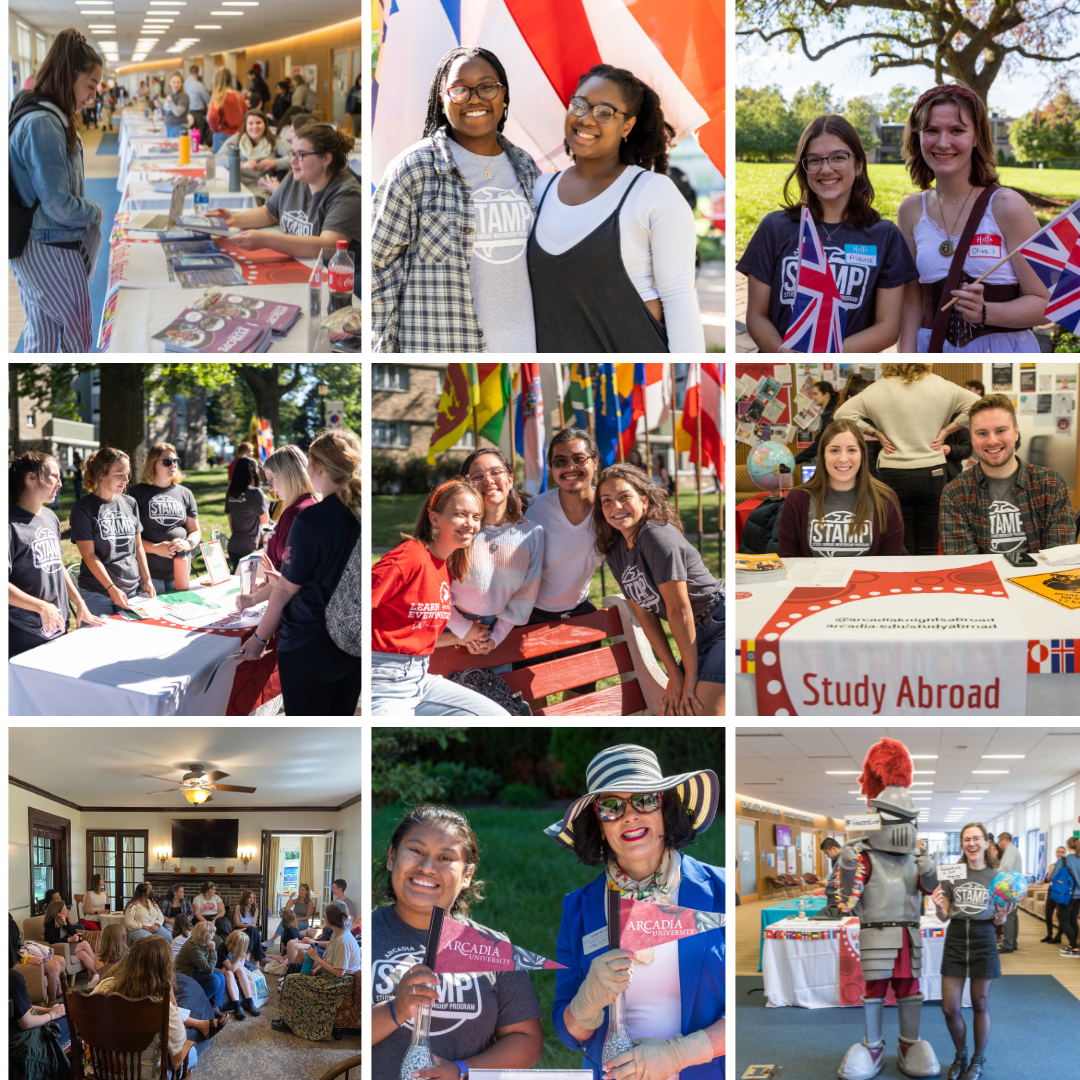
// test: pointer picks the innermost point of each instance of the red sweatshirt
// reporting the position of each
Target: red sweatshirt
(410, 600)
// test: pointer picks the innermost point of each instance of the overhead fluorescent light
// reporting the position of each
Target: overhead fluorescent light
(226, 13)
(203, 26)
(922, 783)
(240, 3)
(1005, 757)
(102, 26)
(923, 772)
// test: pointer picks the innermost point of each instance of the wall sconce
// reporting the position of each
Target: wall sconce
(163, 855)
(245, 854)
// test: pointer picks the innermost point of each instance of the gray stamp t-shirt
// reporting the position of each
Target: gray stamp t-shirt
(336, 208)
(498, 272)
(1006, 527)
(114, 527)
(833, 536)
(36, 565)
(469, 1008)
(661, 554)
(970, 898)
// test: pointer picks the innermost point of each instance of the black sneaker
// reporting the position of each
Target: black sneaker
(1071, 953)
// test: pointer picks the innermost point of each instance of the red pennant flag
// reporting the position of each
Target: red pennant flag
(467, 949)
(644, 926)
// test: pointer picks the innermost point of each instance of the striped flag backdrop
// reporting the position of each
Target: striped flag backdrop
(544, 45)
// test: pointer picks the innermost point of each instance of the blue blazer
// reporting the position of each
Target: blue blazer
(701, 962)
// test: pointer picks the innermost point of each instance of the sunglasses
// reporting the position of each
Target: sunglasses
(612, 808)
(169, 461)
(565, 462)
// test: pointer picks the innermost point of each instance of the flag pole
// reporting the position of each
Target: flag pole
(513, 419)
(562, 415)
(675, 435)
(592, 411)
(701, 402)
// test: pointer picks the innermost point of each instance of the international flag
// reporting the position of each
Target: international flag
(613, 410)
(1063, 306)
(704, 396)
(1055, 656)
(579, 399)
(629, 383)
(494, 380)
(1049, 250)
(656, 392)
(262, 437)
(483, 387)
(545, 45)
(529, 429)
(818, 318)
(746, 656)
(467, 949)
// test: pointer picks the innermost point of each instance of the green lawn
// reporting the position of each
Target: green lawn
(760, 187)
(527, 876)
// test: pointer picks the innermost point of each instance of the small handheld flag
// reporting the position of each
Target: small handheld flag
(818, 318)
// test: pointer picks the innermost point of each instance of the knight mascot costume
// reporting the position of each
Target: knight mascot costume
(882, 878)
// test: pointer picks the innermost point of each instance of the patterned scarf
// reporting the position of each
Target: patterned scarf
(657, 888)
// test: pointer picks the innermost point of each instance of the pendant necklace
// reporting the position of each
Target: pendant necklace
(829, 235)
(947, 247)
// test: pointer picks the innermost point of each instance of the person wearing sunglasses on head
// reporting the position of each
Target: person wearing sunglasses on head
(626, 284)
(633, 821)
(451, 221)
(315, 206)
(169, 516)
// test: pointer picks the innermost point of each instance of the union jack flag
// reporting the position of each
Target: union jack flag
(1057, 656)
(1048, 251)
(1063, 307)
(818, 318)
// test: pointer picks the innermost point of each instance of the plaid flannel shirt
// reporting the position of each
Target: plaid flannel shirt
(1040, 494)
(421, 250)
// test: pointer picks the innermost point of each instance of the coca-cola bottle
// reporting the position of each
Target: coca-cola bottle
(342, 273)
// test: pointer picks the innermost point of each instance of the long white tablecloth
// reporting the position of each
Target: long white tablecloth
(807, 973)
(140, 195)
(1036, 619)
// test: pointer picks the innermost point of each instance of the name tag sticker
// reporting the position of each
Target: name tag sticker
(952, 872)
(860, 254)
(590, 943)
(985, 246)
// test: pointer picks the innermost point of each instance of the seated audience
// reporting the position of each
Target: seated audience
(208, 907)
(181, 931)
(59, 931)
(287, 930)
(302, 905)
(142, 916)
(198, 960)
(1003, 504)
(112, 945)
(95, 902)
(176, 903)
(237, 978)
(309, 1003)
(246, 919)
(36, 954)
(842, 510)
(337, 890)
(35, 1052)
(50, 896)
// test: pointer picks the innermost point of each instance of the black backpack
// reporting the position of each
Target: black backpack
(760, 535)
(20, 216)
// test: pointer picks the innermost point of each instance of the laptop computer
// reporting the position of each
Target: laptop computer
(157, 221)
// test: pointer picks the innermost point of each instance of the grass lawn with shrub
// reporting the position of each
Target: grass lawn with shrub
(527, 875)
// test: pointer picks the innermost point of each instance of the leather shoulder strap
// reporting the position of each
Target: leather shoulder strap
(956, 268)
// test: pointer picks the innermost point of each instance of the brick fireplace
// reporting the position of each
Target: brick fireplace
(229, 886)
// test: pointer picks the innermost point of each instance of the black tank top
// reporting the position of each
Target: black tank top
(584, 300)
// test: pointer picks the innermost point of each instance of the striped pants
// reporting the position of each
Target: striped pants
(54, 288)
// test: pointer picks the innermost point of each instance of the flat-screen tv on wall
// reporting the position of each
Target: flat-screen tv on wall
(783, 835)
(205, 838)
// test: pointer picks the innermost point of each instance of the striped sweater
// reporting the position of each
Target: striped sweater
(505, 564)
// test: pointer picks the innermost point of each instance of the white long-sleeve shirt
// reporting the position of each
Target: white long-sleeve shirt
(136, 916)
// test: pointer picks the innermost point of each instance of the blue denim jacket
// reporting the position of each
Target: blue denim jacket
(42, 168)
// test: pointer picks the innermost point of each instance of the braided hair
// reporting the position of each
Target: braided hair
(436, 118)
(649, 139)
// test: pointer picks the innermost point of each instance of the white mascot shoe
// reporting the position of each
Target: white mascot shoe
(862, 1062)
(917, 1059)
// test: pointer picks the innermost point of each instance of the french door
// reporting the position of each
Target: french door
(119, 856)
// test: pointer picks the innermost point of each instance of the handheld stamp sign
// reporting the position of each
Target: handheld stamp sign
(216, 563)
(862, 822)
(952, 872)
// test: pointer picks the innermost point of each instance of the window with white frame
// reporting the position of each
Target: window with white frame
(41, 49)
(389, 377)
(467, 440)
(1062, 815)
(23, 38)
(395, 433)
(1032, 814)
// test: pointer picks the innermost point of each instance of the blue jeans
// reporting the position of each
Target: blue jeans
(162, 584)
(489, 621)
(220, 138)
(172, 132)
(401, 686)
(161, 931)
(213, 985)
(710, 646)
(100, 605)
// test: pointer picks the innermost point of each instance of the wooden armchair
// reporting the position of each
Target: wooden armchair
(110, 1032)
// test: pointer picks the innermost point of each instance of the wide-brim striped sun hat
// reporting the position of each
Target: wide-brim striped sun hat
(636, 770)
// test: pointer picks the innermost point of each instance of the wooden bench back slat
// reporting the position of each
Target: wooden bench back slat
(530, 642)
(622, 700)
(551, 676)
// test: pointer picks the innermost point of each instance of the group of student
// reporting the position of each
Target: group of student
(131, 544)
(908, 492)
(315, 204)
(474, 250)
(191, 953)
(483, 559)
(892, 276)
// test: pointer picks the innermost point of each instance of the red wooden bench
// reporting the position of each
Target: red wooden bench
(641, 680)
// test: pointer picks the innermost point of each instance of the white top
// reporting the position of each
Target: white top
(343, 952)
(569, 555)
(653, 1002)
(206, 908)
(94, 902)
(178, 944)
(658, 240)
(987, 247)
(137, 916)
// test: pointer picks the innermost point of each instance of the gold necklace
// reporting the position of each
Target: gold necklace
(947, 247)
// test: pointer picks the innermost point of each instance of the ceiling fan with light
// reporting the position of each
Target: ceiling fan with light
(197, 785)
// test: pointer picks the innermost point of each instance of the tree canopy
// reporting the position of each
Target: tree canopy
(1048, 133)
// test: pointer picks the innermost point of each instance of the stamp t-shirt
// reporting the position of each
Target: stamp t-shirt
(970, 898)
(36, 565)
(661, 554)
(861, 261)
(164, 513)
(244, 511)
(334, 209)
(1006, 527)
(469, 1008)
(114, 527)
(833, 537)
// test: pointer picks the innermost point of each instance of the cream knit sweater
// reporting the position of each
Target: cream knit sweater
(910, 415)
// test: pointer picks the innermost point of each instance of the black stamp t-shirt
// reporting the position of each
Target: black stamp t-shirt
(114, 527)
(36, 565)
(164, 513)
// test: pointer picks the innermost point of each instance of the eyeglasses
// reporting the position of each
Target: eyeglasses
(836, 161)
(479, 476)
(603, 114)
(169, 461)
(485, 91)
(299, 155)
(565, 462)
(612, 808)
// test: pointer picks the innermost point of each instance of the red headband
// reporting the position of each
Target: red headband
(968, 96)
(438, 491)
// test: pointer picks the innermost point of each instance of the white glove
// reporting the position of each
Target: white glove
(657, 1059)
(609, 975)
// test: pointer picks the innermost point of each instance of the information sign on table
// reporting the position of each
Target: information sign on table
(216, 564)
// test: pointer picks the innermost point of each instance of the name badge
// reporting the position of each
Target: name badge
(985, 246)
(590, 943)
(860, 254)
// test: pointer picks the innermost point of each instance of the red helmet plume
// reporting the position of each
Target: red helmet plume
(887, 764)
